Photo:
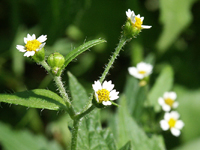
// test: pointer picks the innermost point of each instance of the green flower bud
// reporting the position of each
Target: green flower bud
(129, 30)
(39, 55)
(56, 61)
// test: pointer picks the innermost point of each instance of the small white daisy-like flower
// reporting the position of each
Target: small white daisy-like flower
(104, 93)
(171, 122)
(168, 101)
(136, 20)
(141, 70)
(32, 44)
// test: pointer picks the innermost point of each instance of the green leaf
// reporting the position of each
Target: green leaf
(109, 139)
(24, 140)
(193, 145)
(38, 98)
(131, 89)
(89, 132)
(175, 19)
(79, 95)
(189, 102)
(163, 84)
(135, 96)
(127, 146)
(77, 51)
(126, 129)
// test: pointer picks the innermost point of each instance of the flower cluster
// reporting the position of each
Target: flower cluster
(141, 71)
(104, 94)
(133, 25)
(170, 120)
(33, 45)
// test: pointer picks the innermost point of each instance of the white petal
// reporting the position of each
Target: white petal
(33, 37)
(161, 101)
(41, 46)
(128, 13)
(164, 125)
(172, 95)
(166, 95)
(96, 86)
(114, 95)
(142, 18)
(166, 107)
(96, 96)
(175, 115)
(108, 85)
(29, 53)
(167, 116)
(42, 38)
(106, 103)
(134, 72)
(175, 131)
(179, 124)
(145, 27)
(21, 48)
(175, 104)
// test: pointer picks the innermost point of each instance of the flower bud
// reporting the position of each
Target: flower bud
(56, 61)
(129, 30)
(39, 55)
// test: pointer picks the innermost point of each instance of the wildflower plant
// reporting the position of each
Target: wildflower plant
(84, 112)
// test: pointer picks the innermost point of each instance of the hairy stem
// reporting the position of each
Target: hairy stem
(64, 95)
(122, 42)
(75, 134)
(61, 88)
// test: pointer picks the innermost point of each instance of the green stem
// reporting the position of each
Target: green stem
(64, 95)
(46, 66)
(122, 42)
(75, 134)
(85, 112)
(61, 88)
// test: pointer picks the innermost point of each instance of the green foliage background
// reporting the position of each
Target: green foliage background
(171, 45)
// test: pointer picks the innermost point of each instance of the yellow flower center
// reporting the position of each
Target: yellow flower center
(169, 101)
(141, 72)
(171, 122)
(138, 22)
(32, 45)
(103, 95)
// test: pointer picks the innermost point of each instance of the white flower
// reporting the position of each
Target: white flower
(141, 70)
(171, 122)
(136, 20)
(168, 101)
(32, 44)
(104, 93)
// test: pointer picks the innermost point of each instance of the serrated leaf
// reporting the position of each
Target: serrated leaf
(109, 139)
(163, 84)
(89, 132)
(175, 19)
(38, 98)
(77, 51)
(79, 95)
(126, 129)
(24, 140)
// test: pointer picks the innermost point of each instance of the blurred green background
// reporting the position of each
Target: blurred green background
(173, 40)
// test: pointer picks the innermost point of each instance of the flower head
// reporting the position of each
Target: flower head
(136, 20)
(32, 44)
(104, 93)
(141, 70)
(171, 122)
(168, 101)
